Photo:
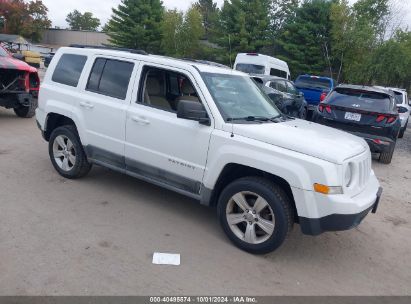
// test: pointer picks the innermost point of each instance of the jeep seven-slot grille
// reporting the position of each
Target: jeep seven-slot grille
(364, 171)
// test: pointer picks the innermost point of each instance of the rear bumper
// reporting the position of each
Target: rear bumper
(15, 100)
(337, 222)
(377, 143)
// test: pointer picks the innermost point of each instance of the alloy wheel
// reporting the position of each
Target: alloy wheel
(250, 217)
(64, 153)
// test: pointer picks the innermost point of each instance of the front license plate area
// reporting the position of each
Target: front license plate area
(352, 116)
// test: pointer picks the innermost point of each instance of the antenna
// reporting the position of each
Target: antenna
(229, 44)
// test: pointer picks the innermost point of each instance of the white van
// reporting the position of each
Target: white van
(253, 63)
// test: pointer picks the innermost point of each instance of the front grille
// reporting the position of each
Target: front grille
(364, 171)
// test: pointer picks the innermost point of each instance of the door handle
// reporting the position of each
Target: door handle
(86, 105)
(140, 120)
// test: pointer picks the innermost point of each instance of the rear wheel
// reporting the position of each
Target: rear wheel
(303, 114)
(386, 157)
(402, 131)
(67, 154)
(27, 111)
(256, 214)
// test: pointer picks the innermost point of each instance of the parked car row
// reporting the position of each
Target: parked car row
(210, 133)
(379, 115)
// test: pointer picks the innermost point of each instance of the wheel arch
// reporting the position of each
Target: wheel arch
(234, 171)
(55, 120)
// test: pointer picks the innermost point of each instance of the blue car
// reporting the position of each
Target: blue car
(315, 88)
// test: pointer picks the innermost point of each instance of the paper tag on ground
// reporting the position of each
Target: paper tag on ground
(166, 258)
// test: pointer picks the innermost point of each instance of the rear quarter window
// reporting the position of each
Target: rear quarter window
(69, 69)
(110, 77)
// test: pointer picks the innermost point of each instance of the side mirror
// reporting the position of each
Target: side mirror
(18, 56)
(402, 110)
(193, 110)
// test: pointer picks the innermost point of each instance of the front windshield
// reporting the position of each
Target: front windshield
(250, 68)
(3, 52)
(239, 97)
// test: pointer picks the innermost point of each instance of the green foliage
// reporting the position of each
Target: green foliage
(305, 41)
(82, 22)
(28, 19)
(182, 33)
(244, 25)
(137, 24)
(210, 14)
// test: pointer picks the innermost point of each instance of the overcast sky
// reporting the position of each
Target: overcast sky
(58, 9)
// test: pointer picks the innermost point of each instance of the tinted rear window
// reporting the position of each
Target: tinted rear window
(68, 69)
(250, 68)
(364, 100)
(110, 77)
(316, 83)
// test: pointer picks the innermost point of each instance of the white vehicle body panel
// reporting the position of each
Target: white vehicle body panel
(263, 60)
(300, 153)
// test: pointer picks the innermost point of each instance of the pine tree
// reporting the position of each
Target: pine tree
(137, 24)
(209, 12)
(246, 24)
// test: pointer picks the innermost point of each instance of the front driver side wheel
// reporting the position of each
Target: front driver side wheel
(256, 214)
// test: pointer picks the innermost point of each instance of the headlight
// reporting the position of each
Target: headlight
(348, 175)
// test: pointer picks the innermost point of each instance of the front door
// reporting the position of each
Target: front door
(159, 146)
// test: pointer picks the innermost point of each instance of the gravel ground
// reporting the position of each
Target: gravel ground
(96, 236)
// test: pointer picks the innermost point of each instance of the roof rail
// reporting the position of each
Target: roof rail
(206, 62)
(112, 48)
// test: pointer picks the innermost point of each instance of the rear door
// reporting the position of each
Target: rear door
(103, 107)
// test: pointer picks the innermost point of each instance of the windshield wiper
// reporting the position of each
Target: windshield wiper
(249, 118)
(276, 119)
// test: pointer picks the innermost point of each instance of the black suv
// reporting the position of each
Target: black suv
(284, 94)
(367, 112)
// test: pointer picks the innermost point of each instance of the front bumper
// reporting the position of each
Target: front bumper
(337, 222)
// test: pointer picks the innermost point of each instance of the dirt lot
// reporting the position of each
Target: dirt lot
(96, 236)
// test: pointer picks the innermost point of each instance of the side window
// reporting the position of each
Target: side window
(110, 77)
(69, 69)
(279, 85)
(290, 88)
(278, 73)
(174, 85)
(164, 89)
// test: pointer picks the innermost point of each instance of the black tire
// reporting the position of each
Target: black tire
(386, 157)
(81, 166)
(402, 131)
(27, 112)
(303, 114)
(277, 200)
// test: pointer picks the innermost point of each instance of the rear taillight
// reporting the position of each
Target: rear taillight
(323, 96)
(328, 109)
(380, 118)
(321, 108)
(390, 119)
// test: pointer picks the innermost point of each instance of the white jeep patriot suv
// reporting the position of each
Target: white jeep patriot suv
(207, 132)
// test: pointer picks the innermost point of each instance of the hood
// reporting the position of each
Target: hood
(307, 138)
(10, 63)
